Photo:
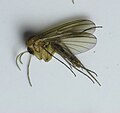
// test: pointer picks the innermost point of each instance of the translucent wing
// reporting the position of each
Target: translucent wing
(79, 43)
(73, 26)
(75, 35)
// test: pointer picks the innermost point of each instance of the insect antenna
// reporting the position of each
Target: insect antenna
(19, 58)
(28, 71)
(60, 61)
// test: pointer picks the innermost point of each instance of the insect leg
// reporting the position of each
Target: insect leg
(89, 72)
(59, 61)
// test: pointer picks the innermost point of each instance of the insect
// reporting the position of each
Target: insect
(67, 40)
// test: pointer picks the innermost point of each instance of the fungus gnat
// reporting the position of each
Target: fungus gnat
(67, 40)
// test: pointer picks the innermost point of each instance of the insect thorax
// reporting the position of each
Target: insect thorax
(39, 48)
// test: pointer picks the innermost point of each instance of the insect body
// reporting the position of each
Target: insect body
(67, 40)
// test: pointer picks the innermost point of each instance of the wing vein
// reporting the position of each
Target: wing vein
(80, 41)
(77, 45)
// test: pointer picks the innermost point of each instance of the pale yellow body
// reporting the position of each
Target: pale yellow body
(36, 44)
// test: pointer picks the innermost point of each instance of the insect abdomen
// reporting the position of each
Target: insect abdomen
(66, 55)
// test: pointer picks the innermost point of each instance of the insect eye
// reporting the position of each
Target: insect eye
(30, 50)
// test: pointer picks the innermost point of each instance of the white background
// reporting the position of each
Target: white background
(55, 89)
